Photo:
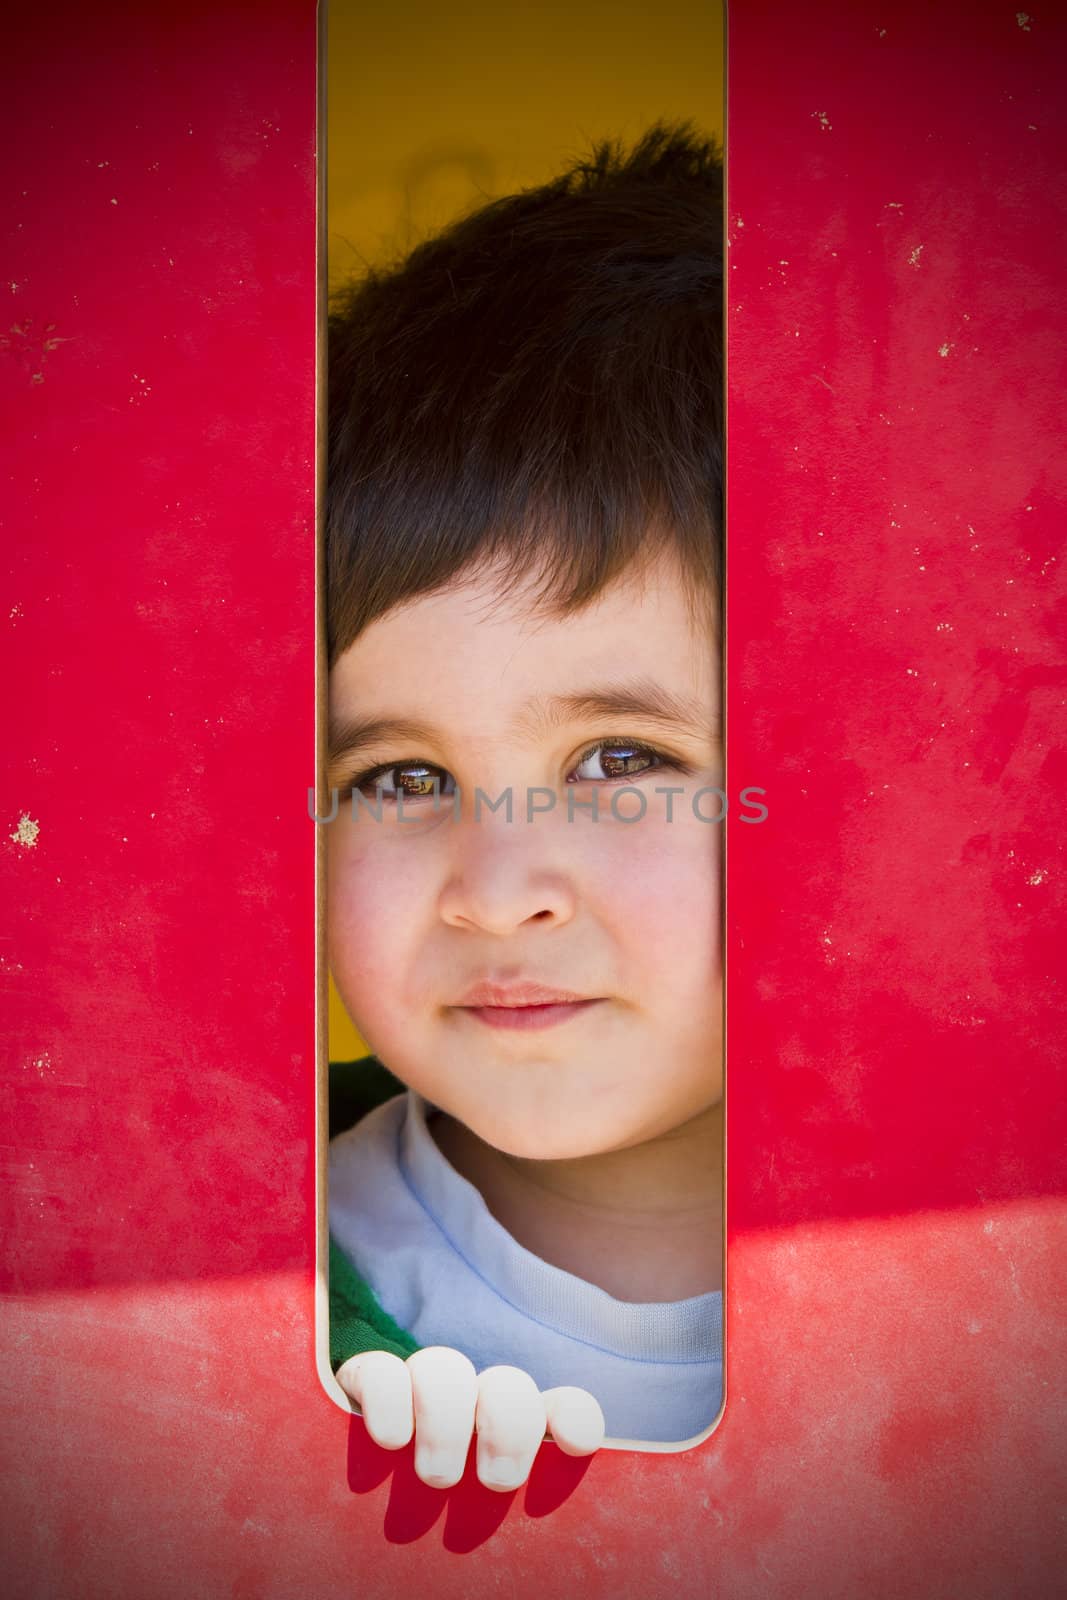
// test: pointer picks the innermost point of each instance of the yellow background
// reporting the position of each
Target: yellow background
(434, 108)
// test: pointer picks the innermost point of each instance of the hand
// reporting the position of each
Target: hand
(437, 1396)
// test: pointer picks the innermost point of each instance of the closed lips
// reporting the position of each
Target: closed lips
(509, 996)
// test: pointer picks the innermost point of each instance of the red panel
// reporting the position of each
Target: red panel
(895, 1417)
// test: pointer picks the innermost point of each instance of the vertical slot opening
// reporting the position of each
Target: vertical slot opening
(522, 760)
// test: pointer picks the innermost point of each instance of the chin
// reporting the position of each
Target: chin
(529, 1142)
(532, 1149)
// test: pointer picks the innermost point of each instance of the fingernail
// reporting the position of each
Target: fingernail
(436, 1468)
(501, 1472)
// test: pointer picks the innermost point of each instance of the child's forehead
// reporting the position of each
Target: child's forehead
(480, 651)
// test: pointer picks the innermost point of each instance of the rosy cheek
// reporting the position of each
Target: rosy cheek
(658, 885)
(671, 857)
(358, 924)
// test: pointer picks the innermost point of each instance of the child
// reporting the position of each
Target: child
(523, 546)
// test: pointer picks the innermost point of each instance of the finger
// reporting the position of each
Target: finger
(511, 1425)
(444, 1393)
(380, 1385)
(575, 1420)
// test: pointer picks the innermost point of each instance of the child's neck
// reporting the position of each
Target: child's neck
(644, 1224)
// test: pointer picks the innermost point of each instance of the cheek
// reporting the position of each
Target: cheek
(372, 917)
(664, 885)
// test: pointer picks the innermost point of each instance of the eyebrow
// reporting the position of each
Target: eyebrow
(644, 698)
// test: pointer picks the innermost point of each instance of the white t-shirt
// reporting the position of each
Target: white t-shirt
(447, 1272)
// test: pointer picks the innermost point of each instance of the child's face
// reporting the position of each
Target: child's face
(622, 913)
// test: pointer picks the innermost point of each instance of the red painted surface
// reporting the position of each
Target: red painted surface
(895, 1420)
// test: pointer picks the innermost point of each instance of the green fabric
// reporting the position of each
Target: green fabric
(357, 1321)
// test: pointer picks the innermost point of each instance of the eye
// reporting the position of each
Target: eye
(619, 758)
(411, 780)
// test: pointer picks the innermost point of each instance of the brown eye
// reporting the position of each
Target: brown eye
(409, 780)
(616, 759)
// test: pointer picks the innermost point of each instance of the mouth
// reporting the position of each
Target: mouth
(510, 1001)
(545, 1015)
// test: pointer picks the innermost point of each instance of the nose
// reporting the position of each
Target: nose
(504, 876)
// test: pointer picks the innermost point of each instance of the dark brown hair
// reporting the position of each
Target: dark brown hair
(540, 385)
